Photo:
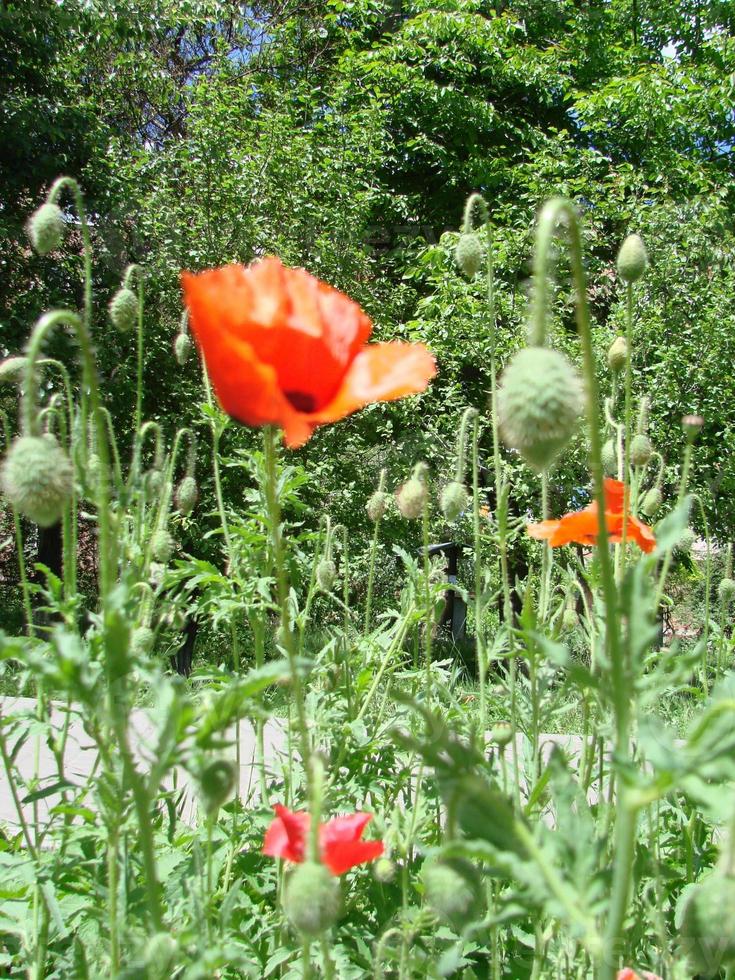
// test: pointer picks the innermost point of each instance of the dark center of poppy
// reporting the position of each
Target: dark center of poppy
(302, 401)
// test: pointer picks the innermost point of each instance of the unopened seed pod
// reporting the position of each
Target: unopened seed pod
(46, 228)
(617, 354)
(651, 502)
(569, 620)
(384, 870)
(141, 641)
(326, 574)
(124, 310)
(162, 546)
(182, 348)
(377, 505)
(38, 478)
(411, 497)
(11, 369)
(216, 782)
(640, 449)
(312, 899)
(610, 458)
(501, 733)
(453, 889)
(540, 403)
(632, 259)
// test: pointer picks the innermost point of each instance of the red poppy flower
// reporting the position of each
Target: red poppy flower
(283, 348)
(582, 526)
(340, 841)
(628, 974)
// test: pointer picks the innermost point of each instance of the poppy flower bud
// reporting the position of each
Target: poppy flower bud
(11, 369)
(569, 619)
(159, 954)
(384, 870)
(38, 478)
(632, 259)
(469, 254)
(454, 500)
(685, 542)
(124, 310)
(182, 348)
(539, 404)
(216, 782)
(153, 480)
(141, 642)
(453, 889)
(617, 354)
(610, 458)
(692, 425)
(708, 925)
(312, 899)
(162, 546)
(640, 449)
(726, 590)
(501, 733)
(187, 495)
(46, 228)
(377, 506)
(326, 574)
(411, 497)
(651, 502)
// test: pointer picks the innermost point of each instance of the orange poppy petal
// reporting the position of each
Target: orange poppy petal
(379, 373)
(614, 495)
(543, 530)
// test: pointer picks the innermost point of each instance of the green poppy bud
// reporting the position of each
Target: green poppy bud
(124, 310)
(708, 925)
(38, 478)
(153, 480)
(377, 506)
(632, 259)
(141, 641)
(726, 590)
(640, 450)
(692, 425)
(453, 889)
(11, 369)
(216, 782)
(469, 254)
(187, 495)
(384, 870)
(454, 500)
(162, 546)
(312, 899)
(610, 458)
(617, 354)
(651, 502)
(326, 574)
(159, 956)
(182, 348)
(685, 542)
(411, 497)
(569, 620)
(539, 404)
(46, 228)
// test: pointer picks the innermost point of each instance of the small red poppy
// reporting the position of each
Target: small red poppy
(582, 526)
(284, 348)
(628, 974)
(340, 841)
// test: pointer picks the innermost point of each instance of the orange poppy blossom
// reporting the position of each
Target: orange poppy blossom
(284, 348)
(582, 526)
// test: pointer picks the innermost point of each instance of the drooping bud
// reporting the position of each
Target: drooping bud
(684, 545)
(162, 546)
(38, 478)
(569, 620)
(632, 259)
(124, 310)
(469, 254)
(610, 458)
(726, 590)
(153, 480)
(453, 889)
(377, 506)
(182, 348)
(454, 500)
(501, 733)
(692, 425)
(142, 640)
(708, 925)
(539, 404)
(187, 495)
(411, 497)
(312, 899)
(46, 228)
(216, 782)
(326, 574)
(640, 449)
(651, 502)
(11, 369)
(384, 870)
(617, 354)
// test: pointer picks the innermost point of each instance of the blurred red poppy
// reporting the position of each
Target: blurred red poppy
(340, 841)
(628, 974)
(283, 348)
(582, 526)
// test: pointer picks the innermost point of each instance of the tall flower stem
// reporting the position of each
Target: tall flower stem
(373, 558)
